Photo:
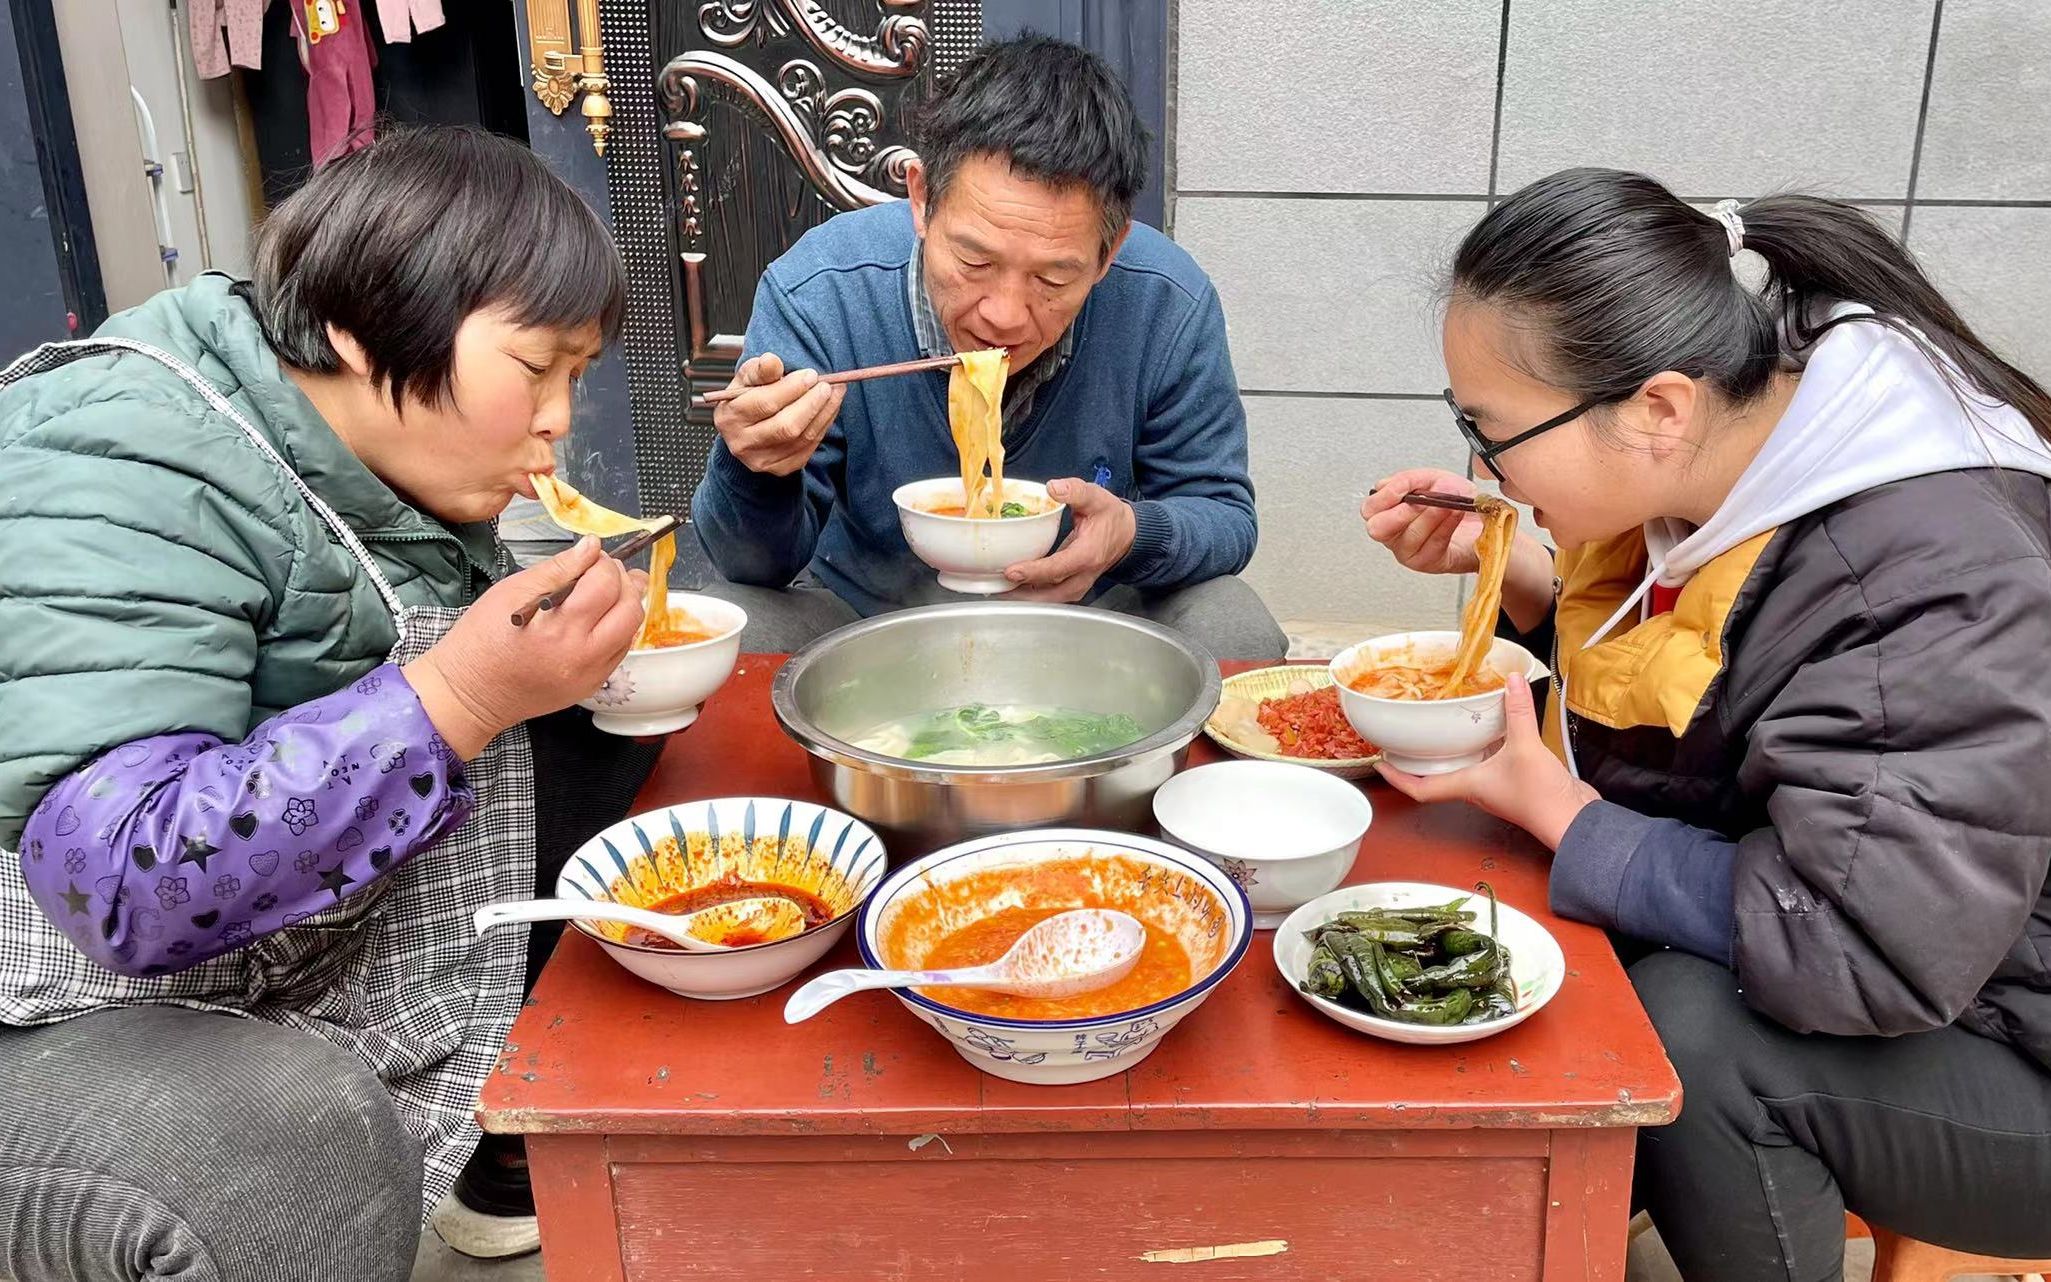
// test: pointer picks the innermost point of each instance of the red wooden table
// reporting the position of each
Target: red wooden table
(670, 1138)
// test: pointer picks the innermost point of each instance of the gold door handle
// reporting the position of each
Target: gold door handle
(567, 60)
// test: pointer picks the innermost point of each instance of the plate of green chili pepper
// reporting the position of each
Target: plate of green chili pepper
(1418, 963)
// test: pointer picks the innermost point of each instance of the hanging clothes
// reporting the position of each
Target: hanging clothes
(226, 33)
(341, 101)
(400, 19)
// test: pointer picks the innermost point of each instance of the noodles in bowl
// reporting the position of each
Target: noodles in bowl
(1427, 732)
(1404, 681)
(1466, 671)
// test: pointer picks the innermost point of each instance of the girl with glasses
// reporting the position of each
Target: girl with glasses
(1797, 757)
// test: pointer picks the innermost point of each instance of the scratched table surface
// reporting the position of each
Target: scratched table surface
(646, 1090)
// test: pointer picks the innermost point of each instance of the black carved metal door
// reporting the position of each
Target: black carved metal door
(775, 115)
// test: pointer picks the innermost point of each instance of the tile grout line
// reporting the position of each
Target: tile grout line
(1426, 196)
(1444, 197)
(1495, 138)
(1908, 211)
(1935, 202)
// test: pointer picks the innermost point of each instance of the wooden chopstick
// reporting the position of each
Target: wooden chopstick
(848, 376)
(1431, 498)
(633, 545)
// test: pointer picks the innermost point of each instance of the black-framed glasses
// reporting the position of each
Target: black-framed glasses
(1489, 451)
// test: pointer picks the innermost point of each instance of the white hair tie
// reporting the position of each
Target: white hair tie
(1726, 212)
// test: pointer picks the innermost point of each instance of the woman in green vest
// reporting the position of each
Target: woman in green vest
(269, 733)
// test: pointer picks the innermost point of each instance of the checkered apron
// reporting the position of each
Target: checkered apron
(396, 974)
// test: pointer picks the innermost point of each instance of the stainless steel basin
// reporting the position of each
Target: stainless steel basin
(847, 683)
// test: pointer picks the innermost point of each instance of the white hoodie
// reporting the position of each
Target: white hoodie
(1872, 407)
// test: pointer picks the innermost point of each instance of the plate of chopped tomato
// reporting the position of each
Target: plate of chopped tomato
(1290, 713)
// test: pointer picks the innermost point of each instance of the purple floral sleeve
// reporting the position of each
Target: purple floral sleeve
(170, 850)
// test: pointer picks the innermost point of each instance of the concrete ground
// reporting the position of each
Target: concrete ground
(437, 1263)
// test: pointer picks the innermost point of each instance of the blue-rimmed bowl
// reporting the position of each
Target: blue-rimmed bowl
(643, 860)
(1181, 892)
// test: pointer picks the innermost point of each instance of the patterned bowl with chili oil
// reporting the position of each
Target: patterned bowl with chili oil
(686, 857)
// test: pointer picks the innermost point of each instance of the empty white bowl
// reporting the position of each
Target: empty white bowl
(640, 860)
(1285, 833)
(1187, 895)
(658, 691)
(1537, 967)
(1429, 736)
(972, 555)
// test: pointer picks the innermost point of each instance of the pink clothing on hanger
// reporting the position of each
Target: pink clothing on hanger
(226, 32)
(341, 101)
(401, 18)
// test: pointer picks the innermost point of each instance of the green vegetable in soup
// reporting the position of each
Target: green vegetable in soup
(1013, 509)
(978, 734)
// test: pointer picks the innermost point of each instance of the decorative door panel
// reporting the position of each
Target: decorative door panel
(769, 117)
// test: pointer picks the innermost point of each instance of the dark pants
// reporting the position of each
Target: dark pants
(1943, 1136)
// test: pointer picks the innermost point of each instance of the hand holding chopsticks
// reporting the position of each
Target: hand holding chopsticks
(1432, 498)
(848, 376)
(669, 525)
(482, 678)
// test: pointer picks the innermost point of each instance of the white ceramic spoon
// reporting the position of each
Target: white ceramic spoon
(772, 917)
(1073, 952)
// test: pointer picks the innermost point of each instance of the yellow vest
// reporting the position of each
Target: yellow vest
(1656, 673)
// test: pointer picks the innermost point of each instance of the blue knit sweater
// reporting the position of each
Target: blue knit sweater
(1147, 406)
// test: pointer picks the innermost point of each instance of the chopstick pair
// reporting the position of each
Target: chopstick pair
(848, 376)
(1431, 498)
(669, 525)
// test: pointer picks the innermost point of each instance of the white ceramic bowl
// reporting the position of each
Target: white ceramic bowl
(658, 691)
(1537, 967)
(1190, 894)
(972, 556)
(795, 843)
(1429, 736)
(1285, 833)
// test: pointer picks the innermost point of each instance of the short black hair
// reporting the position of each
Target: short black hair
(1054, 110)
(398, 243)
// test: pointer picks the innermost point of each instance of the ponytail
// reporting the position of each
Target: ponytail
(1819, 252)
(1614, 279)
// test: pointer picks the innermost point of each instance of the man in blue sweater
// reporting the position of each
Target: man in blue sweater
(1017, 234)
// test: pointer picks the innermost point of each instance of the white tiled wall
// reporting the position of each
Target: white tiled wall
(1329, 154)
(1313, 461)
(1722, 98)
(1328, 295)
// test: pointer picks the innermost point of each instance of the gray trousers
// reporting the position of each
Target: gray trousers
(1225, 616)
(158, 1142)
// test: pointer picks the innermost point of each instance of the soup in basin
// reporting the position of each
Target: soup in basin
(974, 919)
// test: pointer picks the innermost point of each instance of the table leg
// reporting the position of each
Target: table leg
(573, 1195)
(1588, 1203)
